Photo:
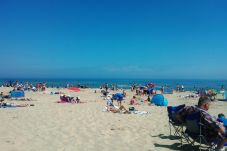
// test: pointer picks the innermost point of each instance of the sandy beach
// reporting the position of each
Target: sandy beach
(49, 126)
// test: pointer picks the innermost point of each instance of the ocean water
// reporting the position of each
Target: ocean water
(126, 83)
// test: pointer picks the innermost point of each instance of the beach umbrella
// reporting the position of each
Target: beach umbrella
(74, 89)
(151, 84)
(118, 96)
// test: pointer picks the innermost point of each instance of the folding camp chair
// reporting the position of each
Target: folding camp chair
(173, 123)
(193, 133)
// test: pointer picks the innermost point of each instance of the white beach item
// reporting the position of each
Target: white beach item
(141, 112)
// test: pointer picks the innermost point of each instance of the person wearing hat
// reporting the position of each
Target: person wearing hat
(112, 108)
(109, 101)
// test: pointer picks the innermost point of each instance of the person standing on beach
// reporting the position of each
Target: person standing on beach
(222, 88)
(178, 88)
(182, 88)
(162, 89)
(106, 87)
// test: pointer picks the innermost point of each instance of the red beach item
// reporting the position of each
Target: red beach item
(74, 89)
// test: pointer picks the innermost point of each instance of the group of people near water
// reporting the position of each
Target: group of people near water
(25, 86)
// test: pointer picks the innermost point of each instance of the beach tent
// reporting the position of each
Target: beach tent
(159, 100)
(74, 89)
(118, 96)
(17, 94)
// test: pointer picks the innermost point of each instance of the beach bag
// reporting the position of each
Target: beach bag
(131, 109)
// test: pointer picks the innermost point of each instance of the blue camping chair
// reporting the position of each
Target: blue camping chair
(193, 133)
(173, 123)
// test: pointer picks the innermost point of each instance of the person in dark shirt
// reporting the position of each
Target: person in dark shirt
(213, 128)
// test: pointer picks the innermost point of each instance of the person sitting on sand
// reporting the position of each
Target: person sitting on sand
(213, 129)
(6, 104)
(63, 98)
(69, 99)
(112, 108)
(133, 101)
(78, 100)
(4, 96)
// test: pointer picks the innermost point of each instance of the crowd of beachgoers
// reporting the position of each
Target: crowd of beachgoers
(118, 100)
(148, 90)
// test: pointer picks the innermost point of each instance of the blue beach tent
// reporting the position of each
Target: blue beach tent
(17, 94)
(159, 100)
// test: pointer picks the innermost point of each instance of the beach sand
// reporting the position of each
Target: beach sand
(49, 126)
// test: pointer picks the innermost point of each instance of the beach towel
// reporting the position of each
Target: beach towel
(7, 106)
(105, 109)
(63, 102)
(140, 112)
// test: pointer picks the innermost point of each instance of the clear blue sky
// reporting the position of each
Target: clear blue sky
(113, 39)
